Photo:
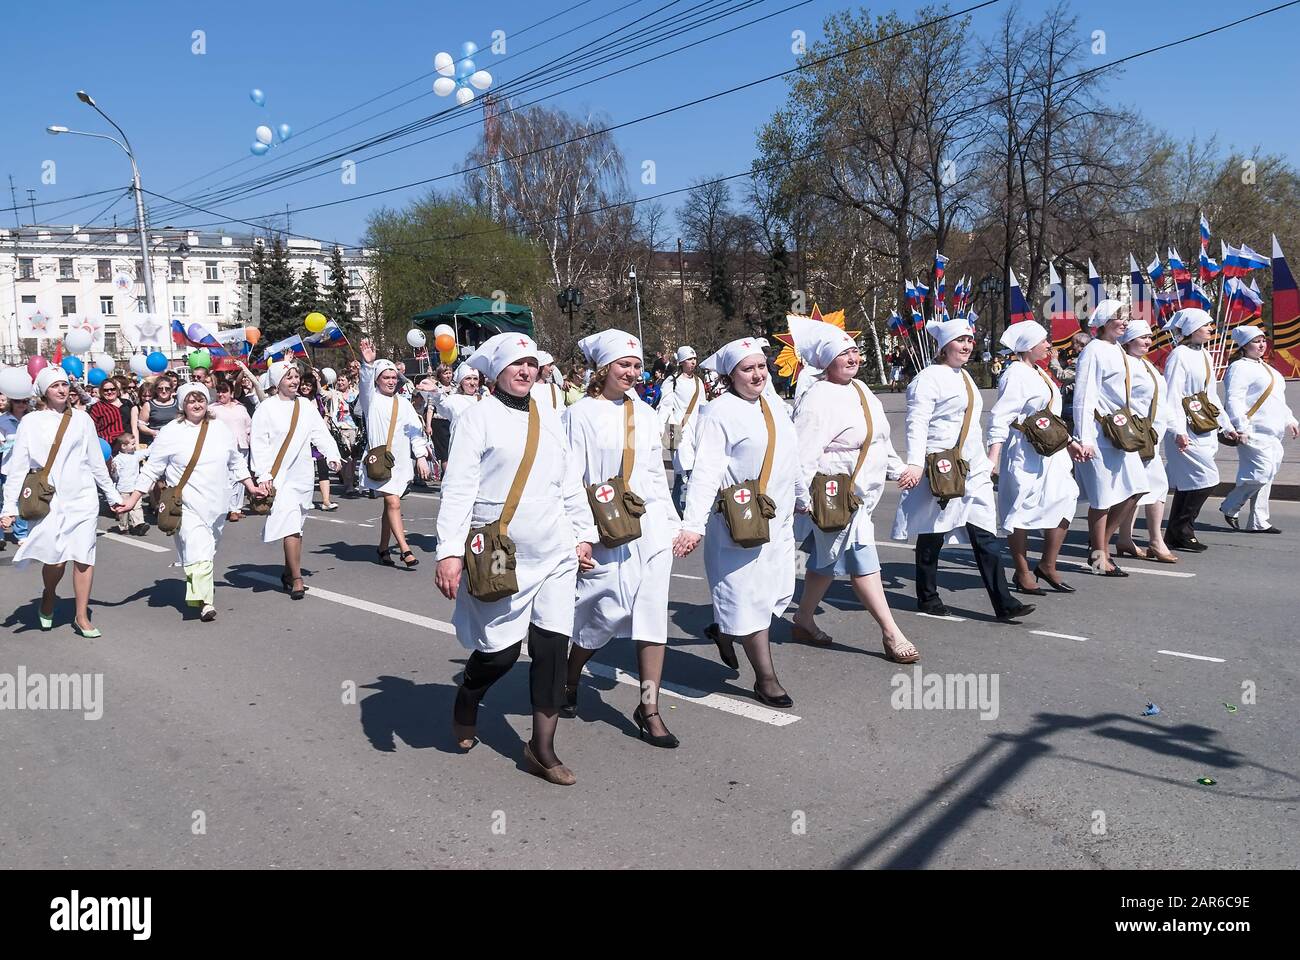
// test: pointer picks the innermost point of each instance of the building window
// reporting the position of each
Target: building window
(29, 346)
(69, 306)
(177, 270)
(110, 343)
(65, 268)
(141, 304)
(214, 306)
(30, 299)
(245, 271)
(26, 268)
(354, 277)
(210, 270)
(103, 269)
(178, 305)
(354, 308)
(106, 306)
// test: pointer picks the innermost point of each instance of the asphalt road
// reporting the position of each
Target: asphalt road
(241, 726)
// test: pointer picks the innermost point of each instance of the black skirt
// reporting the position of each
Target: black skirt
(441, 439)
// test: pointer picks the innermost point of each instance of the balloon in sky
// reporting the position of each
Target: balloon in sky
(264, 134)
(252, 335)
(156, 362)
(444, 86)
(446, 328)
(285, 132)
(199, 359)
(96, 376)
(140, 365)
(468, 48)
(415, 338)
(460, 77)
(257, 96)
(35, 365)
(480, 79)
(465, 68)
(15, 383)
(444, 64)
(464, 95)
(444, 342)
(73, 367)
(257, 149)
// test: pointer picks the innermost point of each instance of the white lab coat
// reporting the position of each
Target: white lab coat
(1259, 454)
(677, 393)
(749, 585)
(205, 500)
(452, 405)
(487, 445)
(549, 396)
(408, 436)
(1147, 380)
(1034, 492)
(296, 480)
(936, 405)
(831, 428)
(69, 530)
(1187, 371)
(627, 592)
(1113, 475)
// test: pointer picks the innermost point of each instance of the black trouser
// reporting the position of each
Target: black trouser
(987, 557)
(1183, 511)
(546, 674)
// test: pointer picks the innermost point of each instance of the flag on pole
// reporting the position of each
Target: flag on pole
(940, 263)
(1208, 268)
(198, 336)
(1143, 308)
(909, 290)
(1094, 283)
(1019, 307)
(1239, 261)
(1242, 303)
(331, 336)
(1285, 355)
(972, 316)
(1155, 269)
(918, 321)
(1205, 231)
(289, 346)
(1195, 296)
(922, 291)
(1180, 273)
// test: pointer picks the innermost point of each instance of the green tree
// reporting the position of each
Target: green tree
(277, 294)
(337, 304)
(306, 296)
(774, 298)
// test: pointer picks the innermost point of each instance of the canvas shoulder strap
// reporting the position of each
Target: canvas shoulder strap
(1155, 389)
(555, 401)
(525, 466)
(770, 454)
(58, 442)
(194, 457)
(1128, 380)
(1209, 374)
(1051, 387)
(695, 398)
(866, 445)
(392, 425)
(284, 447)
(970, 406)
(629, 439)
(1254, 409)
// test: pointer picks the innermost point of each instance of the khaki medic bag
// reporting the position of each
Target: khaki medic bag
(616, 509)
(34, 499)
(261, 506)
(1045, 431)
(1202, 414)
(1123, 428)
(169, 501)
(745, 506)
(489, 551)
(834, 500)
(946, 470)
(379, 461)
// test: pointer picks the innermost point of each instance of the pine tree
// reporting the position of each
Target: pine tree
(306, 294)
(720, 292)
(279, 310)
(338, 302)
(774, 298)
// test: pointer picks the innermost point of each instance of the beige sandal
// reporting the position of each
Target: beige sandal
(891, 652)
(819, 639)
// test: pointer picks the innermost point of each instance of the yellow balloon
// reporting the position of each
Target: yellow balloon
(449, 356)
(315, 322)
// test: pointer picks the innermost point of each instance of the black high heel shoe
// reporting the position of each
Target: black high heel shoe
(726, 651)
(668, 742)
(299, 593)
(1034, 591)
(783, 702)
(1060, 586)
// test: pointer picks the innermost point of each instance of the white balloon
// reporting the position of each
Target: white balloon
(442, 328)
(415, 338)
(443, 86)
(329, 375)
(480, 79)
(264, 134)
(78, 340)
(15, 384)
(464, 95)
(104, 362)
(140, 365)
(444, 64)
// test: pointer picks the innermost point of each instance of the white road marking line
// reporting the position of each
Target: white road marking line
(753, 711)
(312, 516)
(1130, 569)
(359, 524)
(686, 576)
(1192, 656)
(391, 612)
(935, 616)
(1063, 636)
(142, 544)
(425, 496)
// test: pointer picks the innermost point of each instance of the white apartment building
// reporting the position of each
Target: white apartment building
(63, 275)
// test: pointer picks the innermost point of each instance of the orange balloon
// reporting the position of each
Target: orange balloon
(444, 342)
(252, 335)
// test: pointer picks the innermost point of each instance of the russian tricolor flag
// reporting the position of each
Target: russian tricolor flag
(940, 263)
(331, 336)
(283, 348)
(1239, 261)
(1208, 268)
(1286, 299)
(1180, 272)
(909, 290)
(1155, 269)
(1243, 303)
(1205, 231)
(1094, 283)
(198, 336)
(1142, 306)
(1194, 296)
(1019, 307)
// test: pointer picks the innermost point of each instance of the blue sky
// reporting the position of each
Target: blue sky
(188, 114)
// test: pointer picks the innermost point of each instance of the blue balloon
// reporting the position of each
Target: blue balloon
(73, 367)
(257, 96)
(104, 448)
(258, 148)
(469, 48)
(156, 362)
(96, 377)
(285, 132)
(465, 68)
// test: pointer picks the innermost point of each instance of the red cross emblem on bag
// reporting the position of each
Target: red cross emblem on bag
(944, 466)
(604, 493)
(27, 492)
(1041, 423)
(1119, 419)
(477, 544)
(742, 496)
(1194, 406)
(832, 487)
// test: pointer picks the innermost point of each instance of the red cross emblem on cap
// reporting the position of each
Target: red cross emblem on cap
(742, 496)
(477, 543)
(1120, 419)
(745, 344)
(944, 466)
(832, 488)
(605, 493)
(1042, 423)
(631, 342)
(523, 343)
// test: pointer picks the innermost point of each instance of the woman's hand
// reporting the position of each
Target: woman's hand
(585, 562)
(334, 465)
(129, 503)
(685, 543)
(422, 468)
(7, 521)
(1293, 431)
(368, 352)
(1183, 442)
(448, 574)
(1232, 435)
(1083, 452)
(909, 477)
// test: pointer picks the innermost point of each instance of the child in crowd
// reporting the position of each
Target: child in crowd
(125, 468)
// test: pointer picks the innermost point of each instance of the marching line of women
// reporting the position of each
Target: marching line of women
(558, 528)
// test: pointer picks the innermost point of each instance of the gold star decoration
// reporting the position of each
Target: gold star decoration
(788, 363)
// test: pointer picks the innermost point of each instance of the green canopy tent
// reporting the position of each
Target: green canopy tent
(478, 317)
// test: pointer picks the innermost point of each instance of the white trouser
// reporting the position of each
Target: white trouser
(1254, 497)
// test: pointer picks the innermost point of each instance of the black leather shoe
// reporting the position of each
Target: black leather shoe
(783, 702)
(1035, 591)
(935, 609)
(569, 709)
(726, 651)
(1060, 586)
(1269, 530)
(642, 720)
(1231, 521)
(1189, 546)
(1016, 612)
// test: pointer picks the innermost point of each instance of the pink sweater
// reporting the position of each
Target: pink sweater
(235, 416)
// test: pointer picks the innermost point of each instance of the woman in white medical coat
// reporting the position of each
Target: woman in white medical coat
(626, 592)
(749, 585)
(552, 532)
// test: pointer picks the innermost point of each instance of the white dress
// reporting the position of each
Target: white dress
(749, 585)
(487, 444)
(627, 592)
(69, 530)
(831, 430)
(452, 405)
(204, 500)
(296, 481)
(1187, 371)
(549, 396)
(1034, 492)
(678, 392)
(408, 436)
(936, 405)
(1259, 454)
(1147, 380)
(1113, 475)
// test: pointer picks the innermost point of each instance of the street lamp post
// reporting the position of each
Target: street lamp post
(569, 299)
(636, 293)
(145, 269)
